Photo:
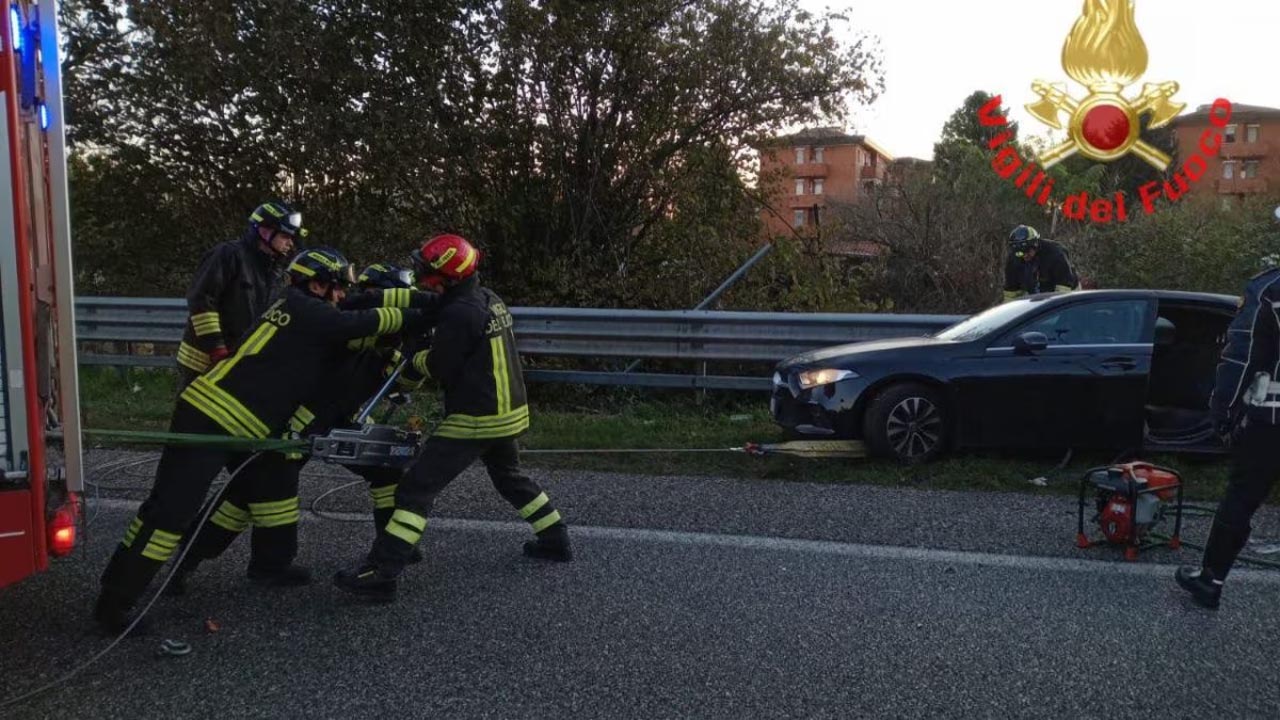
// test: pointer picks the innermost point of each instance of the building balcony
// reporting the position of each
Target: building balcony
(869, 173)
(1243, 186)
(811, 170)
(1245, 150)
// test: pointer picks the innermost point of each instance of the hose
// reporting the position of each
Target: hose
(147, 608)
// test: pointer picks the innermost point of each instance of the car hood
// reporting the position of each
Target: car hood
(853, 351)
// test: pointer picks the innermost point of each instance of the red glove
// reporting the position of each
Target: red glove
(218, 354)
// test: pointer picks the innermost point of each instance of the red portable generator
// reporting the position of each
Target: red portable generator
(1131, 500)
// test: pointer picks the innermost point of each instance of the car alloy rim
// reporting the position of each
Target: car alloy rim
(914, 427)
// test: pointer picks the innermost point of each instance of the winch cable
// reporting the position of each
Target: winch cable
(213, 503)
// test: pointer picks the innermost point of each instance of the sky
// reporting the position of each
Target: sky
(937, 52)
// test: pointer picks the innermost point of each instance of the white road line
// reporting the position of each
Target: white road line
(808, 547)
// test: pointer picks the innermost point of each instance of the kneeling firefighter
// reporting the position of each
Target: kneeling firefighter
(264, 495)
(252, 394)
(1036, 265)
(473, 357)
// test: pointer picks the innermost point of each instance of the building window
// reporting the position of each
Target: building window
(817, 154)
(868, 159)
(1250, 169)
(799, 187)
(800, 156)
(1251, 133)
(1228, 170)
(817, 186)
(799, 219)
(1231, 133)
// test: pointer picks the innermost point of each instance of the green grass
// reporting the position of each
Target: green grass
(142, 399)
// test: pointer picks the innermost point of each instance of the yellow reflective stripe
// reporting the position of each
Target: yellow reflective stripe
(420, 360)
(132, 532)
(161, 545)
(252, 346)
(362, 343)
(226, 402)
(382, 503)
(302, 417)
(201, 402)
(466, 263)
(276, 513)
(206, 324)
(546, 522)
(382, 491)
(192, 358)
(407, 526)
(229, 517)
(302, 269)
(501, 383)
(389, 320)
(534, 505)
(395, 298)
(456, 433)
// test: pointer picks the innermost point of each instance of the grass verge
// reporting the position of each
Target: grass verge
(142, 399)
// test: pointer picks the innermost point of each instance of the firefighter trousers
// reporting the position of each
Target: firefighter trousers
(440, 462)
(183, 478)
(263, 496)
(1255, 466)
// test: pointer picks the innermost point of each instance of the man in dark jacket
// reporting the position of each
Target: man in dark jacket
(1036, 266)
(473, 356)
(233, 285)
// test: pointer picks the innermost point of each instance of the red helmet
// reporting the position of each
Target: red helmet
(445, 260)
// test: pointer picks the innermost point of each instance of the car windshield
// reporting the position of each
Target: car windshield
(986, 321)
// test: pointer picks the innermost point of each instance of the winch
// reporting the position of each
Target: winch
(1131, 499)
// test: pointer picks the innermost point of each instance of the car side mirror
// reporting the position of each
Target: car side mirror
(1030, 342)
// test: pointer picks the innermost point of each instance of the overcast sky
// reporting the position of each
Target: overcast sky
(936, 52)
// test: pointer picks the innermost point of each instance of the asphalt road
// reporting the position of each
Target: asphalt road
(691, 597)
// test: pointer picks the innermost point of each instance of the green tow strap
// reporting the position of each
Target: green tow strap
(219, 442)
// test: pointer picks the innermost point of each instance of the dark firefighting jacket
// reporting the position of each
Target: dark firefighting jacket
(298, 344)
(473, 357)
(232, 287)
(1049, 271)
(1248, 376)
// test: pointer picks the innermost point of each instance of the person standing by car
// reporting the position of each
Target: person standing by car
(1245, 406)
(1036, 265)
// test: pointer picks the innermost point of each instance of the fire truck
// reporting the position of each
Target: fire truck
(41, 464)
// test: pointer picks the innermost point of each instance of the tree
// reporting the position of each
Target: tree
(566, 138)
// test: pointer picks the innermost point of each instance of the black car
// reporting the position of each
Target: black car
(1122, 369)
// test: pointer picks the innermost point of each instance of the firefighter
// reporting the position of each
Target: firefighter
(233, 285)
(1245, 406)
(473, 357)
(271, 480)
(1036, 265)
(296, 343)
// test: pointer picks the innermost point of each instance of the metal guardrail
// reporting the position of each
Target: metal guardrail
(695, 335)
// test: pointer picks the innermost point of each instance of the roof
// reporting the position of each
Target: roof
(1225, 301)
(827, 137)
(1249, 112)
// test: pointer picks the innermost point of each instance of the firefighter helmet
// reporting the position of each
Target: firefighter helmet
(1022, 239)
(386, 277)
(325, 265)
(445, 260)
(278, 217)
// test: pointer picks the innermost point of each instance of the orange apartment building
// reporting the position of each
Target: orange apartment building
(1249, 160)
(808, 171)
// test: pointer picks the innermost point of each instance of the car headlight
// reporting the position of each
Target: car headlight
(825, 376)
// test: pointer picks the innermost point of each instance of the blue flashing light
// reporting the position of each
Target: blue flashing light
(44, 116)
(15, 28)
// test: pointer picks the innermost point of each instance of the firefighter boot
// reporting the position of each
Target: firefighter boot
(1204, 589)
(123, 582)
(181, 577)
(382, 516)
(551, 544)
(367, 581)
(113, 615)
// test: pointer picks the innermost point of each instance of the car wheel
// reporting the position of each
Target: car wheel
(906, 422)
